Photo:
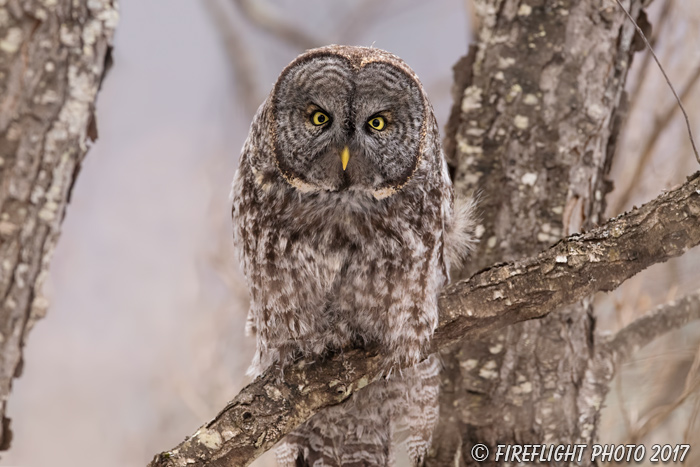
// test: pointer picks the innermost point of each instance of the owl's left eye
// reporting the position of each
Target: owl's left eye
(320, 118)
(378, 123)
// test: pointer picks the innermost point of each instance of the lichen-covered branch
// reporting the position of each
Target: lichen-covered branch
(52, 61)
(265, 410)
(599, 260)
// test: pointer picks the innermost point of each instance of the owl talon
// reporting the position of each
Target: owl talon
(394, 367)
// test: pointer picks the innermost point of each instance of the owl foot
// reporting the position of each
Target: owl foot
(394, 366)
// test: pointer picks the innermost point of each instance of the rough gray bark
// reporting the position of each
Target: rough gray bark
(52, 59)
(499, 296)
(533, 130)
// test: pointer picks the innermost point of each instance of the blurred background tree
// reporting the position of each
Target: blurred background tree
(53, 58)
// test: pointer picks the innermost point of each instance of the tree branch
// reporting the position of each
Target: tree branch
(239, 55)
(610, 353)
(660, 124)
(504, 294)
(663, 319)
(264, 16)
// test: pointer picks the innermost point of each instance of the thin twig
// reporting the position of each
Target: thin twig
(242, 62)
(626, 418)
(659, 127)
(693, 419)
(663, 17)
(369, 14)
(678, 99)
(260, 14)
(663, 319)
(359, 20)
(659, 414)
(612, 352)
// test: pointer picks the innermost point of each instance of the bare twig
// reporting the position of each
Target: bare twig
(693, 420)
(663, 17)
(504, 294)
(678, 99)
(641, 332)
(660, 125)
(239, 56)
(260, 14)
(612, 352)
(692, 384)
(367, 14)
(626, 417)
(362, 17)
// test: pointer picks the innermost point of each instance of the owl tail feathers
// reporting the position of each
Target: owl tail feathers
(361, 431)
(288, 456)
(356, 433)
(460, 237)
(320, 452)
(422, 408)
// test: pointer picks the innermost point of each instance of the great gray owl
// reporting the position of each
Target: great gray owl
(344, 221)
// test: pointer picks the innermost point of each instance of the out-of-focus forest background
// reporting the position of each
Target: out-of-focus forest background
(144, 338)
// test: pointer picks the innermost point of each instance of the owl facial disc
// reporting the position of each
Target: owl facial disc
(327, 105)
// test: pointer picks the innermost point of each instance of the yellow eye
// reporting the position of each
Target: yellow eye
(378, 123)
(319, 118)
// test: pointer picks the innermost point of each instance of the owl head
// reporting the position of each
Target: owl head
(348, 118)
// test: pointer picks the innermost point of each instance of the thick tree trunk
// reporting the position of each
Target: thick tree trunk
(52, 59)
(536, 112)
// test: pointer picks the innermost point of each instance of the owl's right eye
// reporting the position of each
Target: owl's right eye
(320, 118)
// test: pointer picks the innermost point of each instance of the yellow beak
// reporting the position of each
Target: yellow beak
(345, 157)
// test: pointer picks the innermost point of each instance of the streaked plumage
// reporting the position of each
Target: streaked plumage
(336, 257)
